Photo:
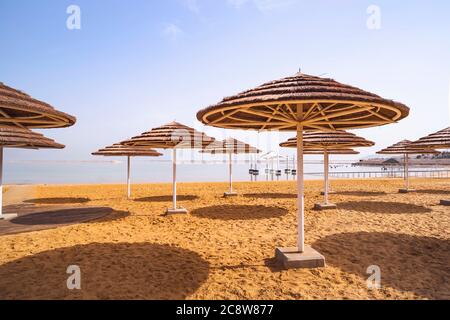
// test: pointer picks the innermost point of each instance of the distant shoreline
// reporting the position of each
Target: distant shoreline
(381, 162)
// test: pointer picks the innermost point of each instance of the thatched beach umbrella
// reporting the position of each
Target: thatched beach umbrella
(21, 110)
(14, 137)
(438, 140)
(230, 146)
(302, 103)
(173, 136)
(405, 148)
(118, 150)
(327, 141)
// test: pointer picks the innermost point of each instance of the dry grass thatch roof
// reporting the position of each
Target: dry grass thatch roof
(312, 151)
(405, 147)
(329, 140)
(170, 136)
(19, 109)
(230, 145)
(118, 150)
(14, 137)
(438, 140)
(325, 105)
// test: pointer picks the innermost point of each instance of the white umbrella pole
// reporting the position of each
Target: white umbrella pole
(278, 167)
(287, 168)
(128, 177)
(293, 166)
(1, 182)
(251, 168)
(174, 177)
(272, 169)
(256, 167)
(407, 171)
(231, 172)
(301, 190)
(325, 173)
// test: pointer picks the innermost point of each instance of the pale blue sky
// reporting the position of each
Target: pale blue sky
(139, 64)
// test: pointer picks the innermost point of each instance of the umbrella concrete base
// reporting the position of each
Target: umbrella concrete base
(324, 206)
(329, 192)
(177, 211)
(230, 194)
(8, 216)
(445, 202)
(291, 258)
(406, 190)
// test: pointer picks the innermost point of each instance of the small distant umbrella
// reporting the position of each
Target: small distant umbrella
(173, 136)
(14, 137)
(118, 150)
(326, 141)
(230, 146)
(405, 148)
(302, 103)
(438, 140)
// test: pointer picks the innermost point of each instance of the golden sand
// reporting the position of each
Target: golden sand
(223, 249)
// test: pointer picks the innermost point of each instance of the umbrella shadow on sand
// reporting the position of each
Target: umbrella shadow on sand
(57, 200)
(70, 216)
(239, 212)
(360, 193)
(271, 195)
(32, 219)
(167, 198)
(436, 192)
(383, 207)
(108, 271)
(407, 263)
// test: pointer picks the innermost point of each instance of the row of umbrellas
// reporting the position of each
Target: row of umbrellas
(176, 136)
(300, 103)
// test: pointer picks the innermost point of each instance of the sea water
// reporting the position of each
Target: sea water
(143, 171)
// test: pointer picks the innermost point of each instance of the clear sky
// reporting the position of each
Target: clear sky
(138, 64)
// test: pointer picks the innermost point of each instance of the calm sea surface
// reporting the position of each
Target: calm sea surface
(147, 171)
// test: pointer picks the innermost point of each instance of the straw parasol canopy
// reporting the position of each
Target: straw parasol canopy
(170, 136)
(406, 147)
(329, 140)
(325, 105)
(230, 146)
(331, 151)
(15, 137)
(19, 109)
(118, 150)
(302, 103)
(438, 140)
(174, 136)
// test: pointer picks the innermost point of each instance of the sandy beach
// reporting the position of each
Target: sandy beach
(223, 248)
